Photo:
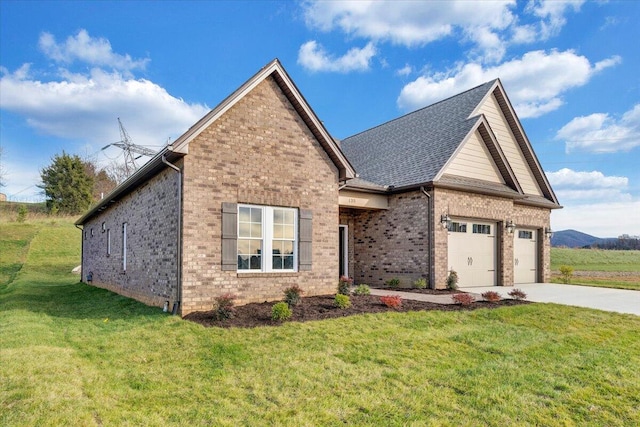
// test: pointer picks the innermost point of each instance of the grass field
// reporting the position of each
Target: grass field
(71, 354)
(597, 267)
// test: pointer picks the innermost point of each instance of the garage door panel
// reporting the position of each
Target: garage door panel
(525, 256)
(472, 252)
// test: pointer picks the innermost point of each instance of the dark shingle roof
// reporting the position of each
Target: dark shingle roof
(412, 149)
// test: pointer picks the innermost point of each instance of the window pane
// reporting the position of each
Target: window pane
(286, 247)
(256, 263)
(256, 215)
(256, 247)
(243, 262)
(244, 214)
(289, 217)
(288, 262)
(256, 230)
(288, 232)
(276, 262)
(278, 232)
(278, 216)
(244, 246)
(244, 230)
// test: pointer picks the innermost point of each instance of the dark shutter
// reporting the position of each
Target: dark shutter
(304, 245)
(229, 236)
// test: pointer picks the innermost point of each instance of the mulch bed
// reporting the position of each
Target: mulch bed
(422, 291)
(322, 307)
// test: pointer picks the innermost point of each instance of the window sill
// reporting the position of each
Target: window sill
(269, 274)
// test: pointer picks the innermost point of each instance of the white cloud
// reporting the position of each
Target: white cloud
(84, 48)
(581, 186)
(601, 133)
(314, 57)
(552, 14)
(534, 82)
(609, 219)
(85, 107)
(405, 71)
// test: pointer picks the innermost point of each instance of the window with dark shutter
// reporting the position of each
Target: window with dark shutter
(306, 233)
(229, 236)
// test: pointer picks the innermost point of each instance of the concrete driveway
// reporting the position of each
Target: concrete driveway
(616, 300)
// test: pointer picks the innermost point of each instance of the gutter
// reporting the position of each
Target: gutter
(432, 284)
(81, 251)
(178, 300)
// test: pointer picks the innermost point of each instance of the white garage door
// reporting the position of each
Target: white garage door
(472, 252)
(525, 256)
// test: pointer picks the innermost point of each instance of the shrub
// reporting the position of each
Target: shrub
(421, 283)
(452, 280)
(22, 213)
(281, 312)
(393, 283)
(463, 299)
(223, 307)
(292, 295)
(344, 285)
(491, 296)
(362, 290)
(392, 301)
(342, 301)
(517, 294)
(567, 273)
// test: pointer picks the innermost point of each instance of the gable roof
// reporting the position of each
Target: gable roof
(276, 70)
(415, 149)
(180, 146)
(412, 149)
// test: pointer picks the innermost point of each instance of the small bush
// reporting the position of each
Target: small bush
(344, 285)
(392, 301)
(517, 294)
(362, 290)
(567, 273)
(22, 213)
(223, 307)
(292, 295)
(463, 299)
(281, 312)
(491, 296)
(342, 301)
(452, 280)
(421, 283)
(393, 283)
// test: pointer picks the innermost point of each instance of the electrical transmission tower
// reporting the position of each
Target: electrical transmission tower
(132, 152)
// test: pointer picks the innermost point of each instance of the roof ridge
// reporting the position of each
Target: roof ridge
(422, 109)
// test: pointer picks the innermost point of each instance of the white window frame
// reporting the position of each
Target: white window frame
(267, 239)
(108, 242)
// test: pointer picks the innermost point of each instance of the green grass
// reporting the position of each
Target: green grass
(633, 283)
(71, 354)
(595, 259)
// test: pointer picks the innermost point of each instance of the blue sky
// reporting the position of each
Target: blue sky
(68, 70)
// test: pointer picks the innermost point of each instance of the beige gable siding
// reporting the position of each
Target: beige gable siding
(474, 161)
(509, 146)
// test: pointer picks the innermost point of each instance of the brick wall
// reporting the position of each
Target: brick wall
(258, 152)
(496, 209)
(392, 243)
(151, 214)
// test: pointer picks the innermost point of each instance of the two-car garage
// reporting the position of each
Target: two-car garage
(473, 253)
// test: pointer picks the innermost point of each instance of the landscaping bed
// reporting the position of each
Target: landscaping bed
(322, 307)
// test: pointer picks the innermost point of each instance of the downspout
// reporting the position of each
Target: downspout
(432, 283)
(176, 304)
(81, 251)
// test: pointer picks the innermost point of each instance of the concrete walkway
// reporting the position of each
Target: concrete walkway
(616, 300)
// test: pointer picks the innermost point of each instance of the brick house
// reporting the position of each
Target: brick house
(259, 174)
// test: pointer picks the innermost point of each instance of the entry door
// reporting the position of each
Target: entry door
(525, 256)
(343, 251)
(472, 252)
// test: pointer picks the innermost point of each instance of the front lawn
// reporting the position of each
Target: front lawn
(71, 354)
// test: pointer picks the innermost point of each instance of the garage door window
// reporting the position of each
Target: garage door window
(458, 227)
(481, 229)
(522, 234)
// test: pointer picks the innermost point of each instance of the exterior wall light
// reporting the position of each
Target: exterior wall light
(511, 227)
(445, 220)
(548, 232)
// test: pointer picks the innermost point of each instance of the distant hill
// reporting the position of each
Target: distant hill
(572, 239)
